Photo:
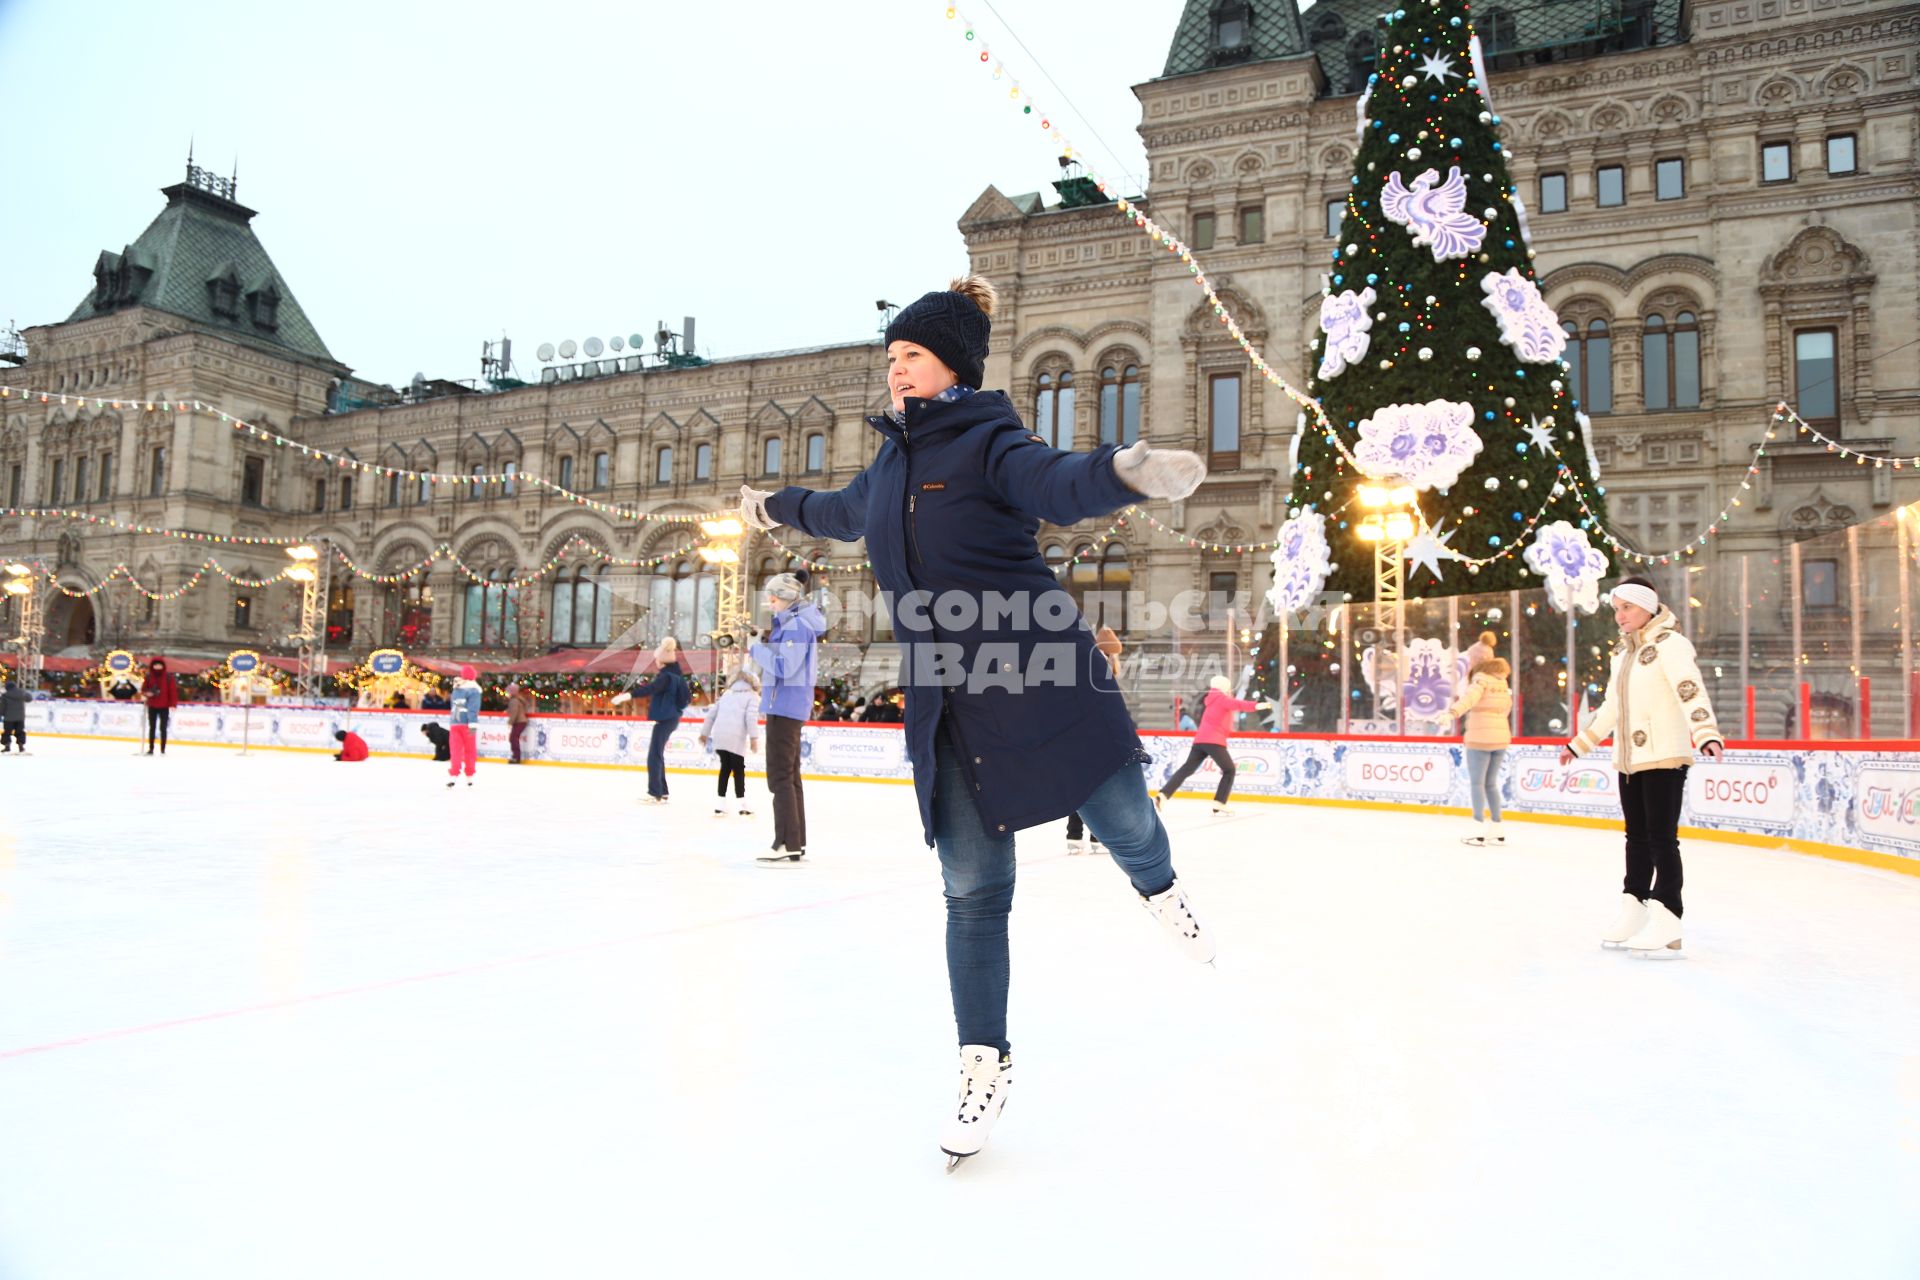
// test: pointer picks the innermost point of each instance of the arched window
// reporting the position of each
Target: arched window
(491, 616)
(703, 462)
(582, 607)
(663, 464)
(512, 470)
(1053, 409)
(1589, 359)
(816, 454)
(474, 487)
(1670, 359)
(1120, 404)
(408, 613)
(770, 456)
(561, 609)
(566, 472)
(393, 489)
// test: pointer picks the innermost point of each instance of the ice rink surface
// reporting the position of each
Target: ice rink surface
(272, 1017)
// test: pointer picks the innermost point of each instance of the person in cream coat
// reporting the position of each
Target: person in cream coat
(1658, 713)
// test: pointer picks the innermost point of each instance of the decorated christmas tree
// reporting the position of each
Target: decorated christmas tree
(1438, 363)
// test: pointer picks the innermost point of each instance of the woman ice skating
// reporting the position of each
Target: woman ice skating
(1107, 641)
(1658, 712)
(1011, 718)
(1210, 742)
(353, 747)
(732, 731)
(1487, 704)
(463, 724)
(787, 658)
(667, 695)
(162, 694)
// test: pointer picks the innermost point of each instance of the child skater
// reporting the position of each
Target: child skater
(1210, 742)
(1013, 718)
(1487, 704)
(732, 730)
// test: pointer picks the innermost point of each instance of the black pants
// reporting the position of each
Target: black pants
(783, 780)
(734, 765)
(14, 734)
(157, 718)
(1204, 751)
(1651, 801)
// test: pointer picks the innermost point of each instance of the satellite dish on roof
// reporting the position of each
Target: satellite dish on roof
(594, 348)
(635, 341)
(545, 352)
(616, 342)
(567, 349)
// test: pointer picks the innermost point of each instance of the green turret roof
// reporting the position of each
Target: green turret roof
(200, 260)
(1201, 42)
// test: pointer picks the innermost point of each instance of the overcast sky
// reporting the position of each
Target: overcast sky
(430, 175)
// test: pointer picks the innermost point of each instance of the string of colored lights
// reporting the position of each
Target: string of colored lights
(1030, 107)
(1686, 549)
(346, 462)
(1783, 410)
(184, 535)
(819, 565)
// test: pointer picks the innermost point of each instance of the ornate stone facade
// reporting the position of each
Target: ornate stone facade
(1767, 190)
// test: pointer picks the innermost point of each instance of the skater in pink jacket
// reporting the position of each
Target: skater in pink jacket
(1210, 742)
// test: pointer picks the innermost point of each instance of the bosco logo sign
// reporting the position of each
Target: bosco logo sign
(1424, 774)
(1754, 794)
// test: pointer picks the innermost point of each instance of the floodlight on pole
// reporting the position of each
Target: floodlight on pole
(21, 586)
(309, 570)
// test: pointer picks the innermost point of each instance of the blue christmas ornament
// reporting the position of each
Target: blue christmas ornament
(1509, 244)
(1496, 146)
(1404, 326)
(1518, 518)
(1493, 540)
(1372, 278)
(1455, 144)
(1453, 22)
(1393, 137)
(1489, 415)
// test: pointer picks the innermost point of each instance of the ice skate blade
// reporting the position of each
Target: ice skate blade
(1671, 951)
(953, 1161)
(1612, 946)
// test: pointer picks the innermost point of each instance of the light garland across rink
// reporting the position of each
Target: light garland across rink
(1783, 411)
(193, 580)
(1031, 107)
(108, 522)
(345, 463)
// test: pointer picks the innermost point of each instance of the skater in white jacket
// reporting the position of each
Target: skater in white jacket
(732, 731)
(1658, 713)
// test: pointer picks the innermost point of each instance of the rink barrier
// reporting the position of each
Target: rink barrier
(1852, 801)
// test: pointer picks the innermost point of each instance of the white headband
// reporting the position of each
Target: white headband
(1634, 593)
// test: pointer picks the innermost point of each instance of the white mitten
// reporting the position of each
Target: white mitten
(753, 508)
(1159, 473)
(621, 699)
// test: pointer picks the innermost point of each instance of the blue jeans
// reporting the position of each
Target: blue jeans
(1483, 779)
(977, 868)
(657, 756)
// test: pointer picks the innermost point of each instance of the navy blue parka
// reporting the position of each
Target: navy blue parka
(989, 638)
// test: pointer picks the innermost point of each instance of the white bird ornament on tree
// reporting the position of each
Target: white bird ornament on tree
(1434, 215)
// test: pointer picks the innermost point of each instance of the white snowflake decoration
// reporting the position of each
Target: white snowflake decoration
(1571, 566)
(1527, 323)
(1435, 215)
(1520, 212)
(1478, 57)
(1427, 445)
(1586, 438)
(1301, 561)
(1347, 320)
(1437, 66)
